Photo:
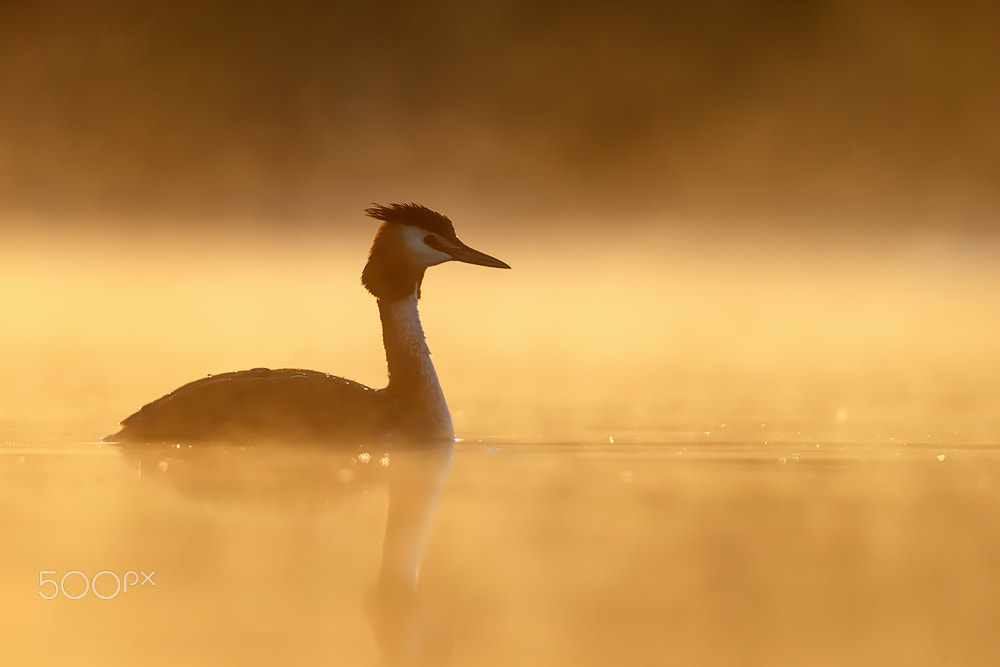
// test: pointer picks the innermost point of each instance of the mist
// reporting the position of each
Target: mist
(652, 336)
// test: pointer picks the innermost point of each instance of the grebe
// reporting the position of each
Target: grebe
(293, 404)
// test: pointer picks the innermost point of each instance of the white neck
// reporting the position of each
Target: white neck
(413, 383)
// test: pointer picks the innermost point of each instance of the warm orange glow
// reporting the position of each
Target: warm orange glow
(649, 333)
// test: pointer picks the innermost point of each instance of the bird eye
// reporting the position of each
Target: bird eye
(432, 241)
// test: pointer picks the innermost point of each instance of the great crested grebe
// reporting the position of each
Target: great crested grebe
(302, 405)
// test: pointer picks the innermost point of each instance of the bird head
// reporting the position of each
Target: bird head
(411, 239)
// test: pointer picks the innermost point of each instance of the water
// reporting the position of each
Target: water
(677, 453)
(669, 552)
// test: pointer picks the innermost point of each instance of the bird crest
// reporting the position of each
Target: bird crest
(414, 215)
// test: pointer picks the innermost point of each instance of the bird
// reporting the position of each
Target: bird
(291, 404)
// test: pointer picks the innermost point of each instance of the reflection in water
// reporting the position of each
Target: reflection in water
(689, 553)
(309, 481)
(405, 629)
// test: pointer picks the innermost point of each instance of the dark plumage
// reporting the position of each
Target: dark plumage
(261, 404)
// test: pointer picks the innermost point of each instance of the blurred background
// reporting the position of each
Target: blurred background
(724, 218)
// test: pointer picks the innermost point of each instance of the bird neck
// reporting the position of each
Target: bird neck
(422, 412)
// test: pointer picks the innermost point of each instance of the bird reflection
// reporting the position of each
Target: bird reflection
(302, 481)
(406, 630)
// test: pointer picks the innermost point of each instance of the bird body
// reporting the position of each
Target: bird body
(262, 404)
(286, 404)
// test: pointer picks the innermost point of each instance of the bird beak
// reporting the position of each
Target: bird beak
(463, 253)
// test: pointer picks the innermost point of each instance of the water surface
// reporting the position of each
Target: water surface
(674, 551)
